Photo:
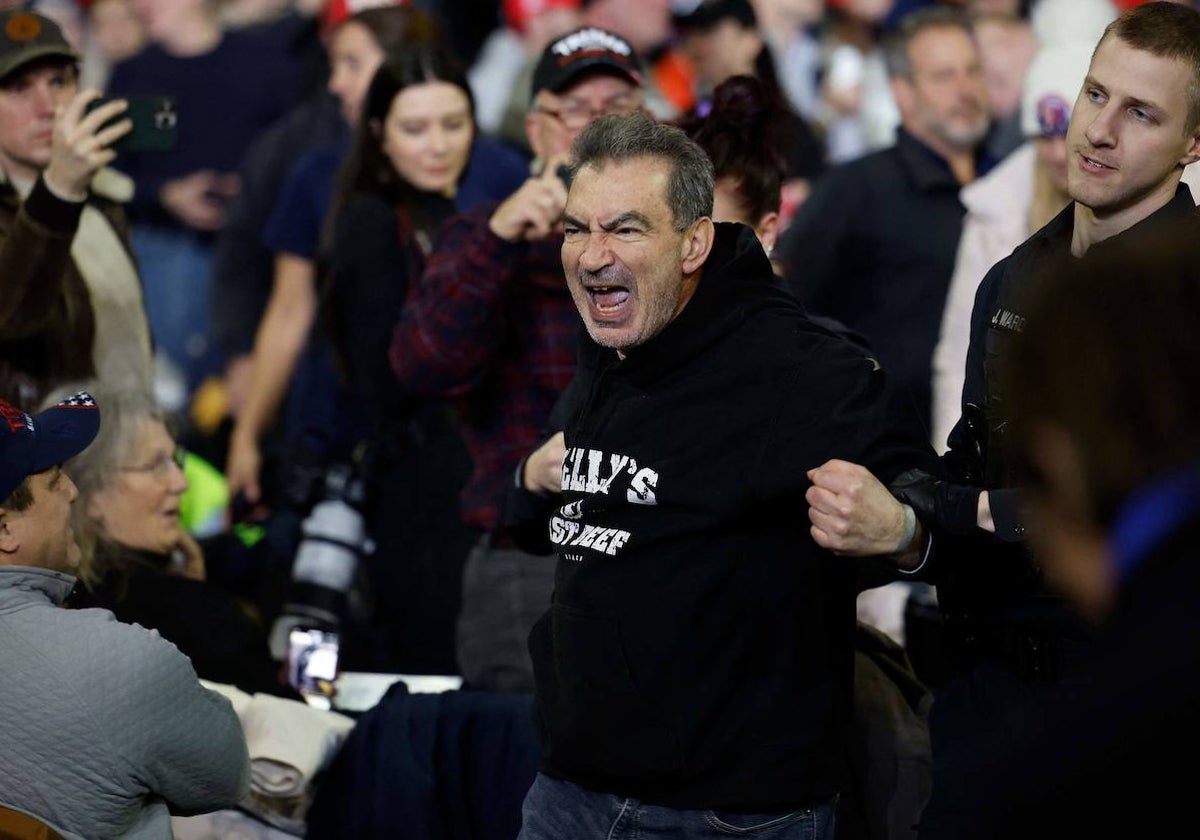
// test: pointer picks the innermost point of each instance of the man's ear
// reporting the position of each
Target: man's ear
(768, 230)
(9, 541)
(1193, 151)
(697, 242)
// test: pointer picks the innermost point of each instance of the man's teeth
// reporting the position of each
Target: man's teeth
(608, 297)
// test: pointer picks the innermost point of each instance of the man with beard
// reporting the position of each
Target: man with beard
(874, 245)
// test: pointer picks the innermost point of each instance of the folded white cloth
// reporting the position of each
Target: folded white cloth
(289, 741)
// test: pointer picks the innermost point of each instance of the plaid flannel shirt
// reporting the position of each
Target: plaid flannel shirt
(491, 323)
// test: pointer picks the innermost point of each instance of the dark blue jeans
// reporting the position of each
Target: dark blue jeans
(558, 810)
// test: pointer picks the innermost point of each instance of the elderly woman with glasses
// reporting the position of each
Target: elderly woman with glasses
(141, 564)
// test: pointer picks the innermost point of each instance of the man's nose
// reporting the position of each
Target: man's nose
(1100, 130)
(596, 253)
(45, 99)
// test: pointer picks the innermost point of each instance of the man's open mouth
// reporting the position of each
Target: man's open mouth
(608, 298)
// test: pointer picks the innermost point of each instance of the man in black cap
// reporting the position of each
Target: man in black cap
(106, 728)
(491, 323)
(72, 304)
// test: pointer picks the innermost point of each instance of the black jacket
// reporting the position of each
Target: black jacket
(698, 650)
(208, 625)
(874, 248)
(996, 579)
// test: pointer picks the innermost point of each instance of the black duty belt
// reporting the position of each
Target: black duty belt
(1034, 654)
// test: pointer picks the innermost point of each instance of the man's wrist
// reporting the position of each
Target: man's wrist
(909, 532)
(62, 192)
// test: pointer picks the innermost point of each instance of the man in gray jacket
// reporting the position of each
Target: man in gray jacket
(106, 729)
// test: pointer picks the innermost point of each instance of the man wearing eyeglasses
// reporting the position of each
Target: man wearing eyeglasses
(491, 323)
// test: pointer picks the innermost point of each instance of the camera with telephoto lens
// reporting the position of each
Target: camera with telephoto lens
(333, 539)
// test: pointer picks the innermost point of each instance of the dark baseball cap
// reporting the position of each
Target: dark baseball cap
(586, 50)
(30, 445)
(28, 36)
(709, 13)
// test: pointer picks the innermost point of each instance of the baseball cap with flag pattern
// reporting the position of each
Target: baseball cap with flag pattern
(33, 444)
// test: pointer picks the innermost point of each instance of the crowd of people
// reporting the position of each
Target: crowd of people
(654, 352)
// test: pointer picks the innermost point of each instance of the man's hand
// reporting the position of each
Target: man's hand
(80, 147)
(200, 199)
(543, 468)
(534, 210)
(193, 558)
(852, 512)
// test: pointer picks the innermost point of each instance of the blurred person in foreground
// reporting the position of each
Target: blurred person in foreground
(1109, 452)
(107, 730)
(694, 672)
(72, 302)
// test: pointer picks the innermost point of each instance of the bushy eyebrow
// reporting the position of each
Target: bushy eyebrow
(620, 221)
(55, 478)
(631, 216)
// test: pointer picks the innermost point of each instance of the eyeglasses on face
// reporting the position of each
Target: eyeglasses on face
(576, 116)
(161, 465)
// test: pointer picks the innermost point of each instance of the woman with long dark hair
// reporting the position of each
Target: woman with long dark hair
(411, 146)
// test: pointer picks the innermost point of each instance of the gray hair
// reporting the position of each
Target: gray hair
(122, 414)
(895, 46)
(618, 138)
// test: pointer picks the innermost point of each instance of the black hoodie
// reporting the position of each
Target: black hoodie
(698, 650)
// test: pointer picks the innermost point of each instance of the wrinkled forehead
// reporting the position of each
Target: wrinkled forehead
(608, 188)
